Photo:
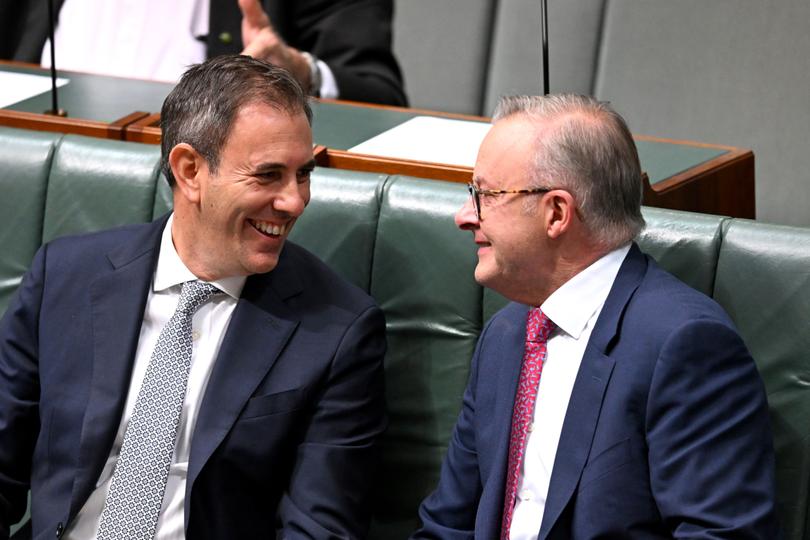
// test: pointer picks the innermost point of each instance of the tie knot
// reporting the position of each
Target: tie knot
(538, 326)
(194, 294)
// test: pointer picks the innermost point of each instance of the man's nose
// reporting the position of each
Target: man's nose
(292, 198)
(466, 217)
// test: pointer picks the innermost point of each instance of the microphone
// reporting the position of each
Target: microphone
(544, 33)
(54, 110)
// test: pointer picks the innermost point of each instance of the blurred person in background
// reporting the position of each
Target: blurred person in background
(334, 48)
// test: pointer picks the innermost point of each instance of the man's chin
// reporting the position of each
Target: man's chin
(493, 278)
(484, 276)
(262, 264)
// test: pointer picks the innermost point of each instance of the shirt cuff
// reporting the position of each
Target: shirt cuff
(329, 87)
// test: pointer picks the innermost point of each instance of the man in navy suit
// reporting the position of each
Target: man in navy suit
(284, 398)
(649, 419)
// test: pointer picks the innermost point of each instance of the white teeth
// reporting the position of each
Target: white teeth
(269, 228)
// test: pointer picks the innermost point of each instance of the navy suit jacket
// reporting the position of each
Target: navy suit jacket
(286, 429)
(666, 434)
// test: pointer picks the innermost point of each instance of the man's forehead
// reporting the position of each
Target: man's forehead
(257, 107)
(269, 138)
(507, 151)
(511, 134)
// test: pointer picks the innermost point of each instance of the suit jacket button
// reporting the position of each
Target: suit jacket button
(60, 529)
(225, 37)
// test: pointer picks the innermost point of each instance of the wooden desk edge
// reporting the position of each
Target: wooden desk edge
(342, 159)
(732, 157)
(724, 185)
(734, 170)
(44, 122)
(730, 173)
(78, 126)
(145, 130)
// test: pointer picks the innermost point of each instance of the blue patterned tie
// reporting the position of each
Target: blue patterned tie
(136, 492)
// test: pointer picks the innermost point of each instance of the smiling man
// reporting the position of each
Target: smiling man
(608, 400)
(199, 376)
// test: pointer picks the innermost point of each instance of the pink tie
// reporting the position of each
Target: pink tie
(538, 328)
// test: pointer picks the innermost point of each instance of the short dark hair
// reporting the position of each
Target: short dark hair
(591, 153)
(200, 110)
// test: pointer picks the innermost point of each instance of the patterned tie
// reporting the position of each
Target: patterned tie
(136, 491)
(538, 328)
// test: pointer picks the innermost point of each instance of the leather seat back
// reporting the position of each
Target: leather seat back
(763, 282)
(117, 179)
(25, 162)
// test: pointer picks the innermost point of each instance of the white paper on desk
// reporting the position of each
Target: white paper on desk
(15, 87)
(428, 138)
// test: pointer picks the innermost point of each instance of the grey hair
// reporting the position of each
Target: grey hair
(200, 110)
(589, 152)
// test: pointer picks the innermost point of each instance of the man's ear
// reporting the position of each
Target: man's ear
(187, 166)
(560, 212)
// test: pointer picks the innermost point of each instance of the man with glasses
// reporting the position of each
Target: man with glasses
(608, 400)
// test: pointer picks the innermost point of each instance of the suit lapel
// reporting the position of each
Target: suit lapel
(117, 299)
(258, 331)
(577, 433)
(513, 344)
(507, 342)
(589, 389)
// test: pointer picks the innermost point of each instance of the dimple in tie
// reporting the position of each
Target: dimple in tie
(538, 328)
(135, 496)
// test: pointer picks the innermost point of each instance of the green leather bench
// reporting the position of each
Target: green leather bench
(394, 237)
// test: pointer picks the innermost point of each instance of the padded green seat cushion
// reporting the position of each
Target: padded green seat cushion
(423, 279)
(97, 184)
(163, 197)
(685, 244)
(763, 281)
(340, 222)
(25, 160)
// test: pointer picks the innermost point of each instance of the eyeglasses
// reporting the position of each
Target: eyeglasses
(476, 193)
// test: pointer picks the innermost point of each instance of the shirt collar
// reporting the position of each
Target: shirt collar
(171, 271)
(578, 299)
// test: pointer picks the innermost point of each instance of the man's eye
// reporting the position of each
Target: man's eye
(303, 175)
(267, 177)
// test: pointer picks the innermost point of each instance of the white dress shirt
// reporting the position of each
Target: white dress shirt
(574, 309)
(208, 328)
(144, 39)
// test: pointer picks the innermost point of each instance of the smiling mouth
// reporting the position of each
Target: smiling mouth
(269, 229)
(482, 243)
